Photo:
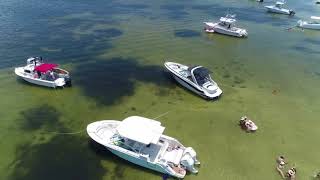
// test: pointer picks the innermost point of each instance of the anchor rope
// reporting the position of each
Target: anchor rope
(83, 130)
(161, 115)
(64, 133)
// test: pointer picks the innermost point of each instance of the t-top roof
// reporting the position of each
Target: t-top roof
(227, 20)
(141, 129)
(280, 3)
(45, 67)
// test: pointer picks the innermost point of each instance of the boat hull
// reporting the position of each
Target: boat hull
(272, 9)
(229, 33)
(306, 25)
(40, 83)
(60, 82)
(137, 161)
(188, 86)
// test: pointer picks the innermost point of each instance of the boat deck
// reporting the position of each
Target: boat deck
(152, 150)
(182, 70)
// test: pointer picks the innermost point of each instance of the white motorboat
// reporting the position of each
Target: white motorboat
(278, 8)
(225, 26)
(195, 78)
(313, 24)
(43, 74)
(140, 141)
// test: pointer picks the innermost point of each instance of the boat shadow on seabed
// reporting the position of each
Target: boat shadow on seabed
(103, 153)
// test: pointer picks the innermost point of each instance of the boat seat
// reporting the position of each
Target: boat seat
(163, 150)
(185, 73)
(174, 156)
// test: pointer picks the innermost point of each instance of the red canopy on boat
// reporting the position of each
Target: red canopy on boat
(45, 67)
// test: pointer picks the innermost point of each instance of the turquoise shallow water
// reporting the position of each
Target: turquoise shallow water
(115, 52)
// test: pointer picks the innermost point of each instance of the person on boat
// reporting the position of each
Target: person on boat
(248, 124)
(52, 75)
(39, 74)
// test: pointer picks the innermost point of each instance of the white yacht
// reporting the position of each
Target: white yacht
(140, 141)
(225, 26)
(43, 74)
(278, 8)
(195, 78)
(313, 24)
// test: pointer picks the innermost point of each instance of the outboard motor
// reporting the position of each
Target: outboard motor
(189, 159)
(188, 162)
(193, 154)
(291, 12)
(67, 80)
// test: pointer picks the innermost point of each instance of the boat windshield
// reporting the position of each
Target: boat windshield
(223, 23)
(202, 75)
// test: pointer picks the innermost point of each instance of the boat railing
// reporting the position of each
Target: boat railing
(232, 16)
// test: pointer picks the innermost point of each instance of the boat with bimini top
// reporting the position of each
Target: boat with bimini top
(195, 78)
(140, 141)
(226, 26)
(43, 74)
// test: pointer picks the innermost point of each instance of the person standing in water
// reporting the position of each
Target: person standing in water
(281, 163)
